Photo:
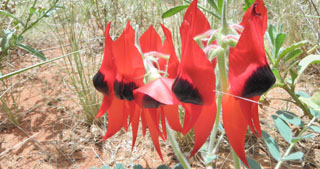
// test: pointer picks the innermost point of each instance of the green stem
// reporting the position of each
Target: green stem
(293, 144)
(297, 101)
(216, 126)
(183, 161)
(236, 160)
(224, 22)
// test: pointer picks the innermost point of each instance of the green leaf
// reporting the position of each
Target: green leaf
(11, 16)
(293, 54)
(314, 112)
(93, 168)
(302, 94)
(271, 34)
(283, 128)
(37, 53)
(305, 62)
(248, 4)
(35, 65)
(220, 5)
(277, 74)
(213, 4)
(279, 41)
(5, 43)
(105, 167)
(178, 166)
(174, 11)
(32, 10)
(290, 118)
(291, 48)
(162, 167)
(253, 164)
(137, 167)
(312, 101)
(272, 146)
(315, 128)
(119, 166)
(296, 139)
(294, 156)
(293, 75)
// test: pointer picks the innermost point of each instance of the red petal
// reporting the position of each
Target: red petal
(169, 48)
(127, 58)
(135, 126)
(153, 129)
(115, 116)
(192, 113)
(194, 23)
(172, 116)
(255, 115)
(159, 89)
(235, 125)
(202, 128)
(198, 71)
(150, 41)
(143, 122)
(106, 102)
(249, 54)
(163, 123)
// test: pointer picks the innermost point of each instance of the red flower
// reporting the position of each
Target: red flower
(122, 70)
(196, 79)
(249, 77)
(156, 98)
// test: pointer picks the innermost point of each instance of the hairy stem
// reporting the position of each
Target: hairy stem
(183, 161)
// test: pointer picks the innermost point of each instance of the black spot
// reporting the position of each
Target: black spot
(100, 84)
(124, 90)
(149, 102)
(185, 92)
(259, 82)
(255, 12)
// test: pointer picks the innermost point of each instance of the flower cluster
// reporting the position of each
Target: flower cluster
(147, 82)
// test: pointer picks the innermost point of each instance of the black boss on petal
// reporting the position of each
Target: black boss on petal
(124, 90)
(185, 92)
(259, 82)
(149, 102)
(100, 84)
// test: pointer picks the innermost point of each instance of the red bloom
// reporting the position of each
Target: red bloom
(121, 70)
(156, 97)
(249, 77)
(196, 80)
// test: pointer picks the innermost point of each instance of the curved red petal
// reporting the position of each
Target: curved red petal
(235, 125)
(192, 113)
(153, 129)
(255, 115)
(103, 80)
(106, 102)
(203, 126)
(249, 72)
(135, 126)
(127, 58)
(194, 23)
(115, 116)
(245, 106)
(150, 41)
(196, 75)
(159, 90)
(163, 124)
(172, 116)
(168, 47)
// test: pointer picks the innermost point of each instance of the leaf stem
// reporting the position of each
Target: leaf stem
(183, 161)
(293, 143)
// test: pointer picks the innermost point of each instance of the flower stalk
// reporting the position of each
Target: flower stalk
(183, 161)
